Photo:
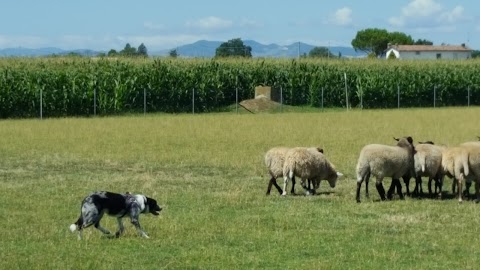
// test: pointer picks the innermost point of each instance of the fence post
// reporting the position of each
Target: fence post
(144, 101)
(434, 95)
(94, 101)
(346, 90)
(361, 97)
(322, 98)
(236, 94)
(281, 98)
(193, 101)
(468, 96)
(41, 103)
(398, 96)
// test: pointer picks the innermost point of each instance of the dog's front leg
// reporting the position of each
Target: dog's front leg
(139, 228)
(120, 227)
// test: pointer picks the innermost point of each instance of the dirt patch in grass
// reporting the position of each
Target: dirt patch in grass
(261, 104)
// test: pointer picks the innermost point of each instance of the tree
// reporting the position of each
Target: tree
(374, 40)
(233, 47)
(475, 54)
(423, 42)
(112, 53)
(399, 38)
(173, 53)
(128, 50)
(371, 40)
(320, 52)
(142, 50)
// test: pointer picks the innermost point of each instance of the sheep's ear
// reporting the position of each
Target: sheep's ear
(339, 174)
(410, 140)
(320, 150)
(396, 139)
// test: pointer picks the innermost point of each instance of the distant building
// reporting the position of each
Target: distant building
(429, 52)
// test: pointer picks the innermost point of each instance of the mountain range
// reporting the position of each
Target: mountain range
(201, 48)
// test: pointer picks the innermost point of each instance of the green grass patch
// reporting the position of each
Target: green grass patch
(207, 171)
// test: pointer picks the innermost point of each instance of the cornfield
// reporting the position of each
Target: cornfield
(87, 86)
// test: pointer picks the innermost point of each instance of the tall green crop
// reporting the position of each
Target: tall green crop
(84, 86)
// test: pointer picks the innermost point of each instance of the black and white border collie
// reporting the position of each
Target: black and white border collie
(113, 204)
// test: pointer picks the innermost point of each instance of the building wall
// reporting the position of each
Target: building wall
(429, 55)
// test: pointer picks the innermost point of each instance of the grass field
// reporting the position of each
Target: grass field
(207, 172)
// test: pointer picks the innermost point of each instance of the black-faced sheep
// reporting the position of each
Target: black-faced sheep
(385, 161)
(308, 163)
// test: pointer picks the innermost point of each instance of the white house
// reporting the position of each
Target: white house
(429, 52)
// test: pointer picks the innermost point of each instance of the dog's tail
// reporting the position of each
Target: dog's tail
(75, 226)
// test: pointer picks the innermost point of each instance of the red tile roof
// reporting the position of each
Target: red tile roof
(429, 48)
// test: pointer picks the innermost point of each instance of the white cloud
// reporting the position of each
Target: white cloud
(160, 41)
(342, 17)
(423, 15)
(421, 8)
(153, 26)
(23, 41)
(210, 23)
(245, 22)
(68, 42)
(455, 15)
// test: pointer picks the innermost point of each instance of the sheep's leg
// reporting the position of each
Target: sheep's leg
(367, 195)
(395, 184)
(399, 189)
(360, 180)
(460, 180)
(430, 179)
(380, 189)
(273, 182)
(391, 189)
(466, 192)
(418, 186)
(292, 190)
(454, 185)
(285, 182)
(440, 186)
(477, 190)
(313, 185)
(304, 185)
(406, 180)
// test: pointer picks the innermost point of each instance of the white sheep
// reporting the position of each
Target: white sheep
(385, 161)
(462, 163)
(274, 160)
(428, 163)
(308, 163)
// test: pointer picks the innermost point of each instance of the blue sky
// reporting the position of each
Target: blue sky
(107, 24)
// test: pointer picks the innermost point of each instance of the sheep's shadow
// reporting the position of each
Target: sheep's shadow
(444, 196)
(303, 194)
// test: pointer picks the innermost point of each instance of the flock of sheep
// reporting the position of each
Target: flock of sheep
(403, 160)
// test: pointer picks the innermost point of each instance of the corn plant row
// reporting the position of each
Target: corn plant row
(74, 86)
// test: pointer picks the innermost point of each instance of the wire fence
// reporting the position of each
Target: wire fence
(349, 94)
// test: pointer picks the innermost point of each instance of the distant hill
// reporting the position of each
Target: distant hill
(204, 48)
(201, 48)
(26, 52)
